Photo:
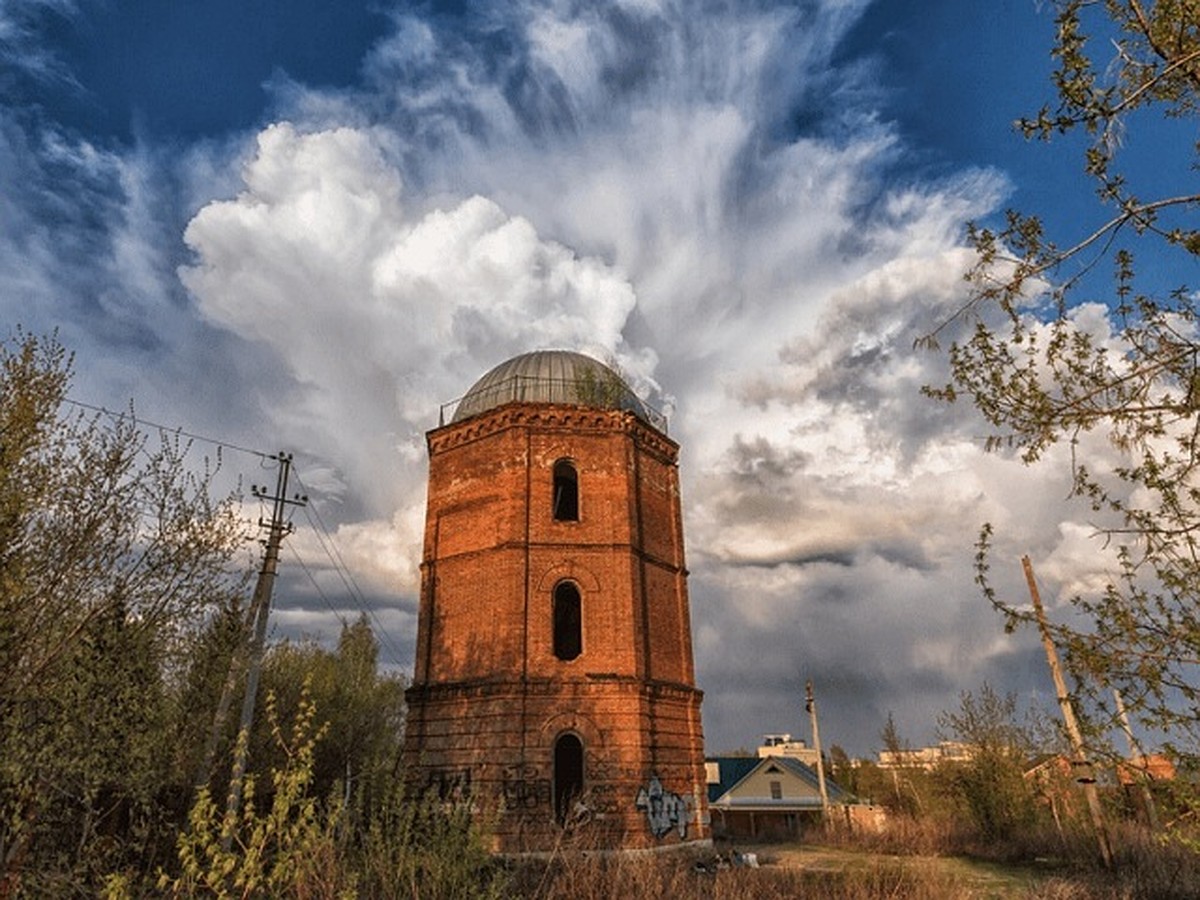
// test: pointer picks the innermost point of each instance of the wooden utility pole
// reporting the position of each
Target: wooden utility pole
(810, 705)
(1084, 773)
(277, 530)
(1135, 752)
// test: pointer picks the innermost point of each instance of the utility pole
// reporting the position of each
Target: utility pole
(810, 706)
(1086, 777)
(236, 660)
(277, 530)
(1135, 752)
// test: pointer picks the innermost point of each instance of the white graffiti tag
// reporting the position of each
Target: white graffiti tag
(664, 810)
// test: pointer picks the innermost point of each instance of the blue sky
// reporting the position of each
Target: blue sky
(306, 224)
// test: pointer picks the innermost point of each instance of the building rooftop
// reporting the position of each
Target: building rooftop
(553, 376)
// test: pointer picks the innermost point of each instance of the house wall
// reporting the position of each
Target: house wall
(758, 784)
(776, 825)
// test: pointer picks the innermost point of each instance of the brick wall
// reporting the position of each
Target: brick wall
(489, 697)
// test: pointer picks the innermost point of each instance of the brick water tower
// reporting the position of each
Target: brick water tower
(554, 678)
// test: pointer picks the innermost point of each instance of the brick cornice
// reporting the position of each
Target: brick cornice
(555, 417)
(592, 683)
(578, 546)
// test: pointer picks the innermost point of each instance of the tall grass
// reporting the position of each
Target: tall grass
(597, 877)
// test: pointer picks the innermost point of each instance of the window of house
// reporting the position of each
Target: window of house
(566, 491)
(776, 790)
(568, 621)
(568, 775)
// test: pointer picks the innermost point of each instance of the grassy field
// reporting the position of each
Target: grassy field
(968, 877)
(848, 873)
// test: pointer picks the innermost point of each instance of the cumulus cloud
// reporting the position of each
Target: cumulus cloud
(378, 311)
(615, 184)
(626, 179)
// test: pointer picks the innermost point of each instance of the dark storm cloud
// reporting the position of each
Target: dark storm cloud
(705, 192)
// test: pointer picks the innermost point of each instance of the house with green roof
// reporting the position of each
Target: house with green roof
(769, 798)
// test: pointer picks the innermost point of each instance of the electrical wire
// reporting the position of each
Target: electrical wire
(330, 547)
(320, 592)
(166, 428)
(324, 536)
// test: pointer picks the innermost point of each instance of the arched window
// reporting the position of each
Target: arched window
(566, 491)
(568, 775)
(568, 621)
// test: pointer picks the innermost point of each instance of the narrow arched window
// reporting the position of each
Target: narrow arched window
(568, 621)
(568, 775)
(566, 491)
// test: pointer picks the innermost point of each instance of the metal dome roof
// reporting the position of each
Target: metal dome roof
(551, 376)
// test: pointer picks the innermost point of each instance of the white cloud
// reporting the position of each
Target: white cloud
(625, 194)
(623, 179)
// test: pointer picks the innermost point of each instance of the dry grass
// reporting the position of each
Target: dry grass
(602, 877)
(908, 864)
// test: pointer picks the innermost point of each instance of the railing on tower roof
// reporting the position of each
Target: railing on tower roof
(591, 392)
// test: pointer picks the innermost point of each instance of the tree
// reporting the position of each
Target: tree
(844, 769)
(112, 550)
(1070, 354)
(890, 736)
(906, 797)
(294, 840)
(990, 783)
(361, 708)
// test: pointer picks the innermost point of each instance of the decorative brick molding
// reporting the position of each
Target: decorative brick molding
(602, 745)
(545, 417)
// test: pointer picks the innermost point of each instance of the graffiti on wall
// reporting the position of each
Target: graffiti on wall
(523, 789)
(450, 784)
(664, 810)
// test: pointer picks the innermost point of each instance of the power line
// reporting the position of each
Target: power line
(329, 545)
(134, 417)
(320, 529)
(320, 591)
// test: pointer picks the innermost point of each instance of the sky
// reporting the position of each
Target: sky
(304, 225)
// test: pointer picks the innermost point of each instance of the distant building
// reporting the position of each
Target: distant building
(925, 757)
(1140, 769)
(765, 798)
(782, 745)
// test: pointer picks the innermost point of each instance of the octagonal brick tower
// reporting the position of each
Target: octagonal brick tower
(554, 675)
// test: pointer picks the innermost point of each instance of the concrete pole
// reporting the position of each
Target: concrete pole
(277, 529)
(810, 704)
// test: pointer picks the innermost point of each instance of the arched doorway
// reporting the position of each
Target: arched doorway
(568, 775)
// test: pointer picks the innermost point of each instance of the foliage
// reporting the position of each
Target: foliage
(843, 769)
(205, 694)
(92, 515)
(600, 386)
(902, 794)
(362, 710)
(285, 849)
(599, 877)
(301, 845)
(423, 847)
(890, 736)
(991, 783)
(122, 607)
(111, 551)
(1068, 356)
